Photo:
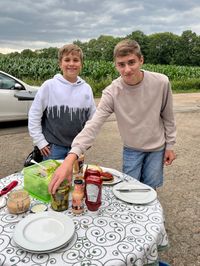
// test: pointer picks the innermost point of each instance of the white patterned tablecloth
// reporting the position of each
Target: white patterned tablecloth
(122, 234)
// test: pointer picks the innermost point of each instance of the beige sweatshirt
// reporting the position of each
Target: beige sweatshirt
(144, 114)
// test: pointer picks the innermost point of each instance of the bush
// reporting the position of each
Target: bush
(189, 85)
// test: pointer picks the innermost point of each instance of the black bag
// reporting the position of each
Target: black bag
(35, 155)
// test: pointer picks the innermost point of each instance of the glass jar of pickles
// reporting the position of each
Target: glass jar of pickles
(60, 200)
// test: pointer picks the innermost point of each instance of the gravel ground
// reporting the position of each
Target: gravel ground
(180, 195)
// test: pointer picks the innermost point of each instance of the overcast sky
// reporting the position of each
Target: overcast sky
(37, 24)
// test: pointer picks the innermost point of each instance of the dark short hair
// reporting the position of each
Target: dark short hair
(126, 47)
(70, 48)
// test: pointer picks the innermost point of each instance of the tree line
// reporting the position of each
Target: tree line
(159, 48)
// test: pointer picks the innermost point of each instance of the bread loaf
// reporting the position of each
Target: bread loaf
(94, 167)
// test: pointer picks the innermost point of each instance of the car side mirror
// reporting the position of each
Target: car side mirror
(18, 86)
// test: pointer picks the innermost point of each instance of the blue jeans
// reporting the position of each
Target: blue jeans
(57, 152)
(147, 167)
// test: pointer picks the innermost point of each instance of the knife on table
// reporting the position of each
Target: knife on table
(8, 187)
(133, 189)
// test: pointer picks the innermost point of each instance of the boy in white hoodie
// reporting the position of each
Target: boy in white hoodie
(61, 106)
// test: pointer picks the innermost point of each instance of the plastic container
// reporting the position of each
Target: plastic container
(36, 180)
(18, 201)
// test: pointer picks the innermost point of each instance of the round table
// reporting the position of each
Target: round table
(122, 234)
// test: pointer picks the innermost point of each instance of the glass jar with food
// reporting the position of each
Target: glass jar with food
(77, 197)
(78, 165)
(60, 200)
(18, 201)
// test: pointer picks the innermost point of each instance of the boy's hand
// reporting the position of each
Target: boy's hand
(45, 151)
(65, 170)
(169, 157)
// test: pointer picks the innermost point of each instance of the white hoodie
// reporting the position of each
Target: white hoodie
(59, 111)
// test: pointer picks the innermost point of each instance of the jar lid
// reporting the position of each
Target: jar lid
(38, 207)
(18, 195)
(78, 181)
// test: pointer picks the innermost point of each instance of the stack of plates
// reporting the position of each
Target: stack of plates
(44, 232)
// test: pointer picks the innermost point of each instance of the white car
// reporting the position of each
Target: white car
(14, 105)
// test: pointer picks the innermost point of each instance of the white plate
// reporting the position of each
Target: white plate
(116, 174)
(135, 197)
(49, 250)
(44, 231)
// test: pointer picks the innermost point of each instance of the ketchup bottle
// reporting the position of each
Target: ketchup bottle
(93, 189)
(89, 172)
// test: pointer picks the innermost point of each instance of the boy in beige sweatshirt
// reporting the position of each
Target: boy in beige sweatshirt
(143, 104)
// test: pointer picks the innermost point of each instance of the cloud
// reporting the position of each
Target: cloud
(27, 24)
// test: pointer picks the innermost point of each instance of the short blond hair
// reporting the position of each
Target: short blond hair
(70, 48)
(126, 47)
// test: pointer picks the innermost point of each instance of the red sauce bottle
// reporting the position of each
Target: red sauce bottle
(91, 172)
(87, 173)
(93, 190)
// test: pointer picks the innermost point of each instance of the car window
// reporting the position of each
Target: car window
(6, 83)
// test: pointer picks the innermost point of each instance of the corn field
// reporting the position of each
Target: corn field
(97, 73)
